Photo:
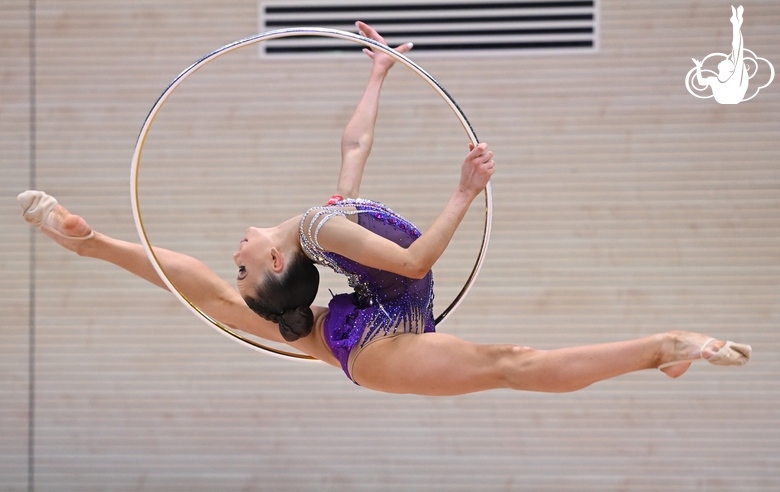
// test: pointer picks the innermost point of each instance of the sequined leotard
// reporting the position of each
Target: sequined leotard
(383, 303)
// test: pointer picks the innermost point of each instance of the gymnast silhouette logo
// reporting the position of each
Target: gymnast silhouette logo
(735, 70)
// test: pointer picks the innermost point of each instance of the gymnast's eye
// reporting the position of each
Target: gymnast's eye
(241, 273)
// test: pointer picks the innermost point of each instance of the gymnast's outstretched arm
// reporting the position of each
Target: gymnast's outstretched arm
(358, 136)
(348, 239)
(703, 81)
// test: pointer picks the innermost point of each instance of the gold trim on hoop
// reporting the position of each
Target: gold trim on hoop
(284, 33)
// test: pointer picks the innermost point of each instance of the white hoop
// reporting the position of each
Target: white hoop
(266, 36)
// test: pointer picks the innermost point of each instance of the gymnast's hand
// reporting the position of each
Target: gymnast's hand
(382, 61)
(477, 169)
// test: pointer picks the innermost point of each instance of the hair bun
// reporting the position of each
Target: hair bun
(295, 323)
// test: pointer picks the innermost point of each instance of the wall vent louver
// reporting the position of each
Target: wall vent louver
(439, 26)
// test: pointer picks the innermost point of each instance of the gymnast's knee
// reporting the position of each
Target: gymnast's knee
(510, 362)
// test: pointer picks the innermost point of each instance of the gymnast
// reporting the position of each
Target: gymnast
(382, 335)
(730, 85)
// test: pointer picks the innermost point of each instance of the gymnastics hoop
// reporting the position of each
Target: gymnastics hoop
(266, 36)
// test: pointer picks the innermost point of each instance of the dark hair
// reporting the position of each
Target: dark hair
(286, 298)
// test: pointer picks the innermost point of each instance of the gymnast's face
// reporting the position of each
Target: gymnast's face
(255, 257)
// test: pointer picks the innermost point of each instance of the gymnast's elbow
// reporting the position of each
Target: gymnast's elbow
(416, 268)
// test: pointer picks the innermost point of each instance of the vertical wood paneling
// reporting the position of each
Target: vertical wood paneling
(624, 207)
(14, 243)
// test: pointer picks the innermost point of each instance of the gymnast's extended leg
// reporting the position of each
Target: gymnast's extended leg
(439, 364)
(129, 256)
(204, 287)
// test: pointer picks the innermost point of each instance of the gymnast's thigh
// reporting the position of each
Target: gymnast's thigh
(435, 364)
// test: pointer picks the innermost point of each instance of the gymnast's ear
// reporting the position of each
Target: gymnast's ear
(278, 261)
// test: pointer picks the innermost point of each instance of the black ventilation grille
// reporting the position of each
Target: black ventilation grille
(438, 27)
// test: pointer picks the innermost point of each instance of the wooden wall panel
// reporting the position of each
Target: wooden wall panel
(14, 245)
(624, 207)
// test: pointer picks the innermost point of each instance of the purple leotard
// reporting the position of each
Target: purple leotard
(383, 303)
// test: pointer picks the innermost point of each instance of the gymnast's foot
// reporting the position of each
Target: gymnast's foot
(736, 15)
(41, 210)
(681, 348)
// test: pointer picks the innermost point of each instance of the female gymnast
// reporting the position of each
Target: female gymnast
(382, 335)
(731, 84)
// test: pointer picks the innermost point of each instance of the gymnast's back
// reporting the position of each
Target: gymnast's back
(383, 303)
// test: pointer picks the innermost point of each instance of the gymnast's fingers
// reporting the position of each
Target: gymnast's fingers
(485, 159)
(404, 47)
(476, 151)
(484, 156)
(489, 167)
(369, 32)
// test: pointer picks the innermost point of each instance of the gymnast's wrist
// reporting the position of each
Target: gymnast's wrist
(379, 72)
(465, 195)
